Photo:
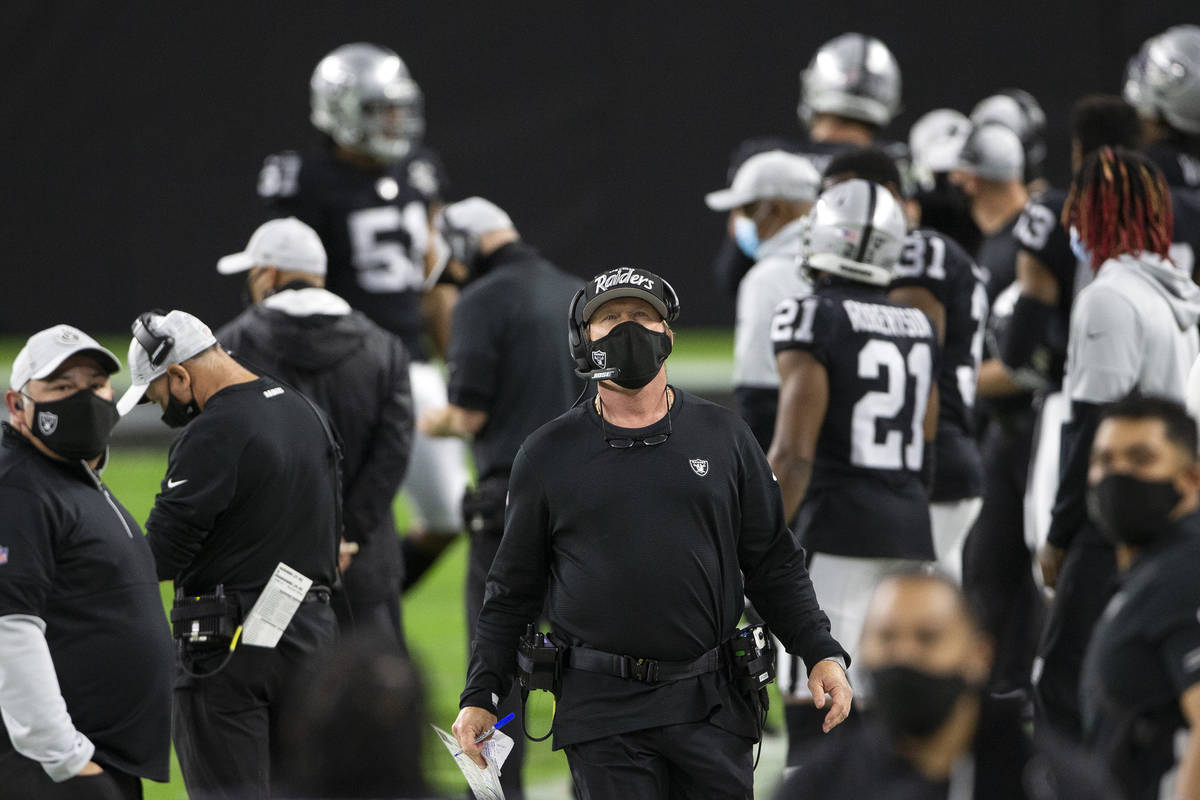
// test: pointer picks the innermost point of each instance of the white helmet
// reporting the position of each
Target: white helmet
(1135, 90)
(934, 141)
(853, 76)
(364, 98)
(856, 230)
(1172, 75)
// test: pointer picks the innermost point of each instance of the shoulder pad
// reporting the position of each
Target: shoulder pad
(280, 175)
(1035, 225)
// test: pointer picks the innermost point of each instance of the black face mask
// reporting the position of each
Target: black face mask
(75, 427)
(912, 702)
(1130, 511)
(635, 350)
(179, 413)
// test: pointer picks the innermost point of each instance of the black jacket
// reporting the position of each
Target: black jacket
(1008, 765)
(71, 555)
(358, 374)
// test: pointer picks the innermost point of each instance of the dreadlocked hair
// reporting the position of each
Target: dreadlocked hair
(1119, 203)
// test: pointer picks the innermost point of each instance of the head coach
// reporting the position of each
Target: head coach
(85, 654)
(642, 519)
(252, 482)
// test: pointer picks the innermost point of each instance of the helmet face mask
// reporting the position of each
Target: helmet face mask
(855, 231)
(364, 99)
(852, 76)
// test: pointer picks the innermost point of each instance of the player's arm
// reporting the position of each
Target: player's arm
(803, 400)
(452, 420)
(437, 309)
(473, 362)
(996, 381)
(1043, 246)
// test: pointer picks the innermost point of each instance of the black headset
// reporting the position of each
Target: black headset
(577, 327)
(157, 347)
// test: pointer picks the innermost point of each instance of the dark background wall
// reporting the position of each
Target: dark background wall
(133, 133)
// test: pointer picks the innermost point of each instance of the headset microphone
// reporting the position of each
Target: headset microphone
(598, 374)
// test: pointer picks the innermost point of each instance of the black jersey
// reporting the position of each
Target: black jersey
(374, 225)
(1144, 654)
(1182, 170)
(865, 498)
(997, 256)
(933, 261)
(1185, 241)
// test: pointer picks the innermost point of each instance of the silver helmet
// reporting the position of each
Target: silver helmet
(1020, 112)
(364, 98)
(856, 230)
(853, 76)
(1172, 75)
(1135, 90)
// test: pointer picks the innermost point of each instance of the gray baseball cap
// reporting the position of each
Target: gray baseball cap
(46, 350)
(992, 152)
(774, 173)
(160, 340)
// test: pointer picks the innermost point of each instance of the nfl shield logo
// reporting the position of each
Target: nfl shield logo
(699, 466)
(47, 422)
(600, 358)
(3, 555)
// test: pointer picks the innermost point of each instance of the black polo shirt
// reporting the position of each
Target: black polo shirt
(72, 555)
(647, 551)
(508, 353)
(249, 484)
(1144, 654)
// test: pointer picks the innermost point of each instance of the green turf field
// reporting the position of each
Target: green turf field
(433, 612)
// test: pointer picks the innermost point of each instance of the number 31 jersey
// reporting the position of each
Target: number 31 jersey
(374, 225)
(865, 498)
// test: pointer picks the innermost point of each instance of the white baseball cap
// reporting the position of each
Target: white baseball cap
(286, 243)
(160, 340)
(772, 174)
(46, 350)
(992, 152)
(474, 216)
(937, 137)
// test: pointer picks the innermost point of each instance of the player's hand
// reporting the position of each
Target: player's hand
(471, 722)
(346, 553)
(1050, 559)
(90, 768)
(436, 422)
(828, 677)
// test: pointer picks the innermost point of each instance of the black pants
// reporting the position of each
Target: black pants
(1085, 585)
(997, 564)
(484, 544)
(225, 725)
(23, 779)
(376, 619)
(693, 761)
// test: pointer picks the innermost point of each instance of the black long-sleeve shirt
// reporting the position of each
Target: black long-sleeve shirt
(357, 373)
(249, 483)
(642, 552)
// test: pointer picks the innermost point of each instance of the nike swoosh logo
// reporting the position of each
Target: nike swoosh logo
(172, 484)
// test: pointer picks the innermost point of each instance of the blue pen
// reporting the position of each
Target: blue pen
(500, 723)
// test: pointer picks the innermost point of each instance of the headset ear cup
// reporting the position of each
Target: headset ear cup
(575, 332)
(672, 301)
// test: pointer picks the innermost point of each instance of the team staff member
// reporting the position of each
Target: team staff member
(371, 192)
(849, 462)
(1141, 677)
(252, 481)
(635, 517)
(508, 318)
(935, 733)
(358, 374)
(1132, 329)
(84, 675)
(767, 202)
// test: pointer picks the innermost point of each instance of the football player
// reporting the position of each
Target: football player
(370, 191)
(1020, 112)
(857, 411)
(1163, 83)
(937, 276)
(849, 92)
(934, 142)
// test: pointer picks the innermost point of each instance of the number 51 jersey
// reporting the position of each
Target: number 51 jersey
(374, 225)
(865, 499)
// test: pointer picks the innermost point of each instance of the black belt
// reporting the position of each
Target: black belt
(648, 670)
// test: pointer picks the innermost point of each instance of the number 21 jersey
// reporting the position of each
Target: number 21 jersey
(865, 498)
